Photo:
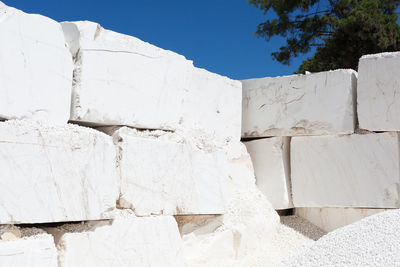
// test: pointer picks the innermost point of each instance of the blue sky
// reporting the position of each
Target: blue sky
(217, 35)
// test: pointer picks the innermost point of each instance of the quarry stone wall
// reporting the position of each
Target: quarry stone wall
(343, 156)
(114, 152)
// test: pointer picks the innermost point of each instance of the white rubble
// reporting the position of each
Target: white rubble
(312, 104)
(53, 174)
(270, 157)
(163, 173)
(34, 248)
(221, 241)
(346, 171)
(372, 241)
(144, 86)
(378, 89)
(329, 219)
(36, 73)
(125, 241)
(248, 222)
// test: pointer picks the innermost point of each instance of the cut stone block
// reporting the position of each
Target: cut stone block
(36, 73)
(121, 80)
(346, 171)
(162, 173)
(34, 248)
(144, 86)
(312, 104)
(329, 219)
(378, 90)
(53, 174)
(271, 163)
(125, 241)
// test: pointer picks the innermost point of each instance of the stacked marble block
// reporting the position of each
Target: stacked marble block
(160, 142)
(326, 143)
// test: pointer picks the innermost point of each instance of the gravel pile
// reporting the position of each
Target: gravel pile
(372, 241)
(249, 234)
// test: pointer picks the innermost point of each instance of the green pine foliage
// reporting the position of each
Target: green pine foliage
(340, 30)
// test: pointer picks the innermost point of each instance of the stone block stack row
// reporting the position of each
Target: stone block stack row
(326, 143)
(152, 136)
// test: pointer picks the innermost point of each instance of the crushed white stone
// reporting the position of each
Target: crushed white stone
(372, 241)
(303, 227)
(292, 235)
(249, 234)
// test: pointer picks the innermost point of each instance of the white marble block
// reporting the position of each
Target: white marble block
(346, 171)
(271, 162)
(36, 249)
(312, 104)
(329, 219)
(53, 174)
(121, 80)
(378, 88)
(125, 241)
(164, 174)
(36, 72)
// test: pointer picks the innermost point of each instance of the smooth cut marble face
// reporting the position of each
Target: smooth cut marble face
(346, 171)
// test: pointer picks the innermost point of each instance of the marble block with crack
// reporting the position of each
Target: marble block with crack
(125, 241)
(378, 92)
(164, 173)
(36, 72)
(313, 104)
(122, 80)
(55, 174)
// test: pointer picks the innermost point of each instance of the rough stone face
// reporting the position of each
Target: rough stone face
(329, 219)
(378, 90)
(36, 249)
(36, 73)
(162, 173)
(312, 104)
(53, 174)
(240, 167)
(346, 171)
(271, 162)
(212, 104)
(144, 86)
(125, 241)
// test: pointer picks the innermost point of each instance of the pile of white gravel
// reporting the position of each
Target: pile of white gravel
(372, 241)
(249, 234)
(293, 234)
